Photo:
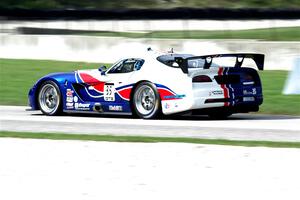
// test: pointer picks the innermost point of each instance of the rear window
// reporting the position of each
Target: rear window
(169, 59)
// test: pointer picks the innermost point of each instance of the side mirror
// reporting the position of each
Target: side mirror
(102, 69)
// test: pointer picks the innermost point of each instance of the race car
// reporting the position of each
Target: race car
(155, 84)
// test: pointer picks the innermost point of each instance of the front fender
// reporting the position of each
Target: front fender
(59, 78)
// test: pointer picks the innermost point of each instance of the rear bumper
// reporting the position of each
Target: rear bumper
(230, 109)
(237, 101)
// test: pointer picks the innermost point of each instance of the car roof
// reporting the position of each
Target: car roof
(171, 56)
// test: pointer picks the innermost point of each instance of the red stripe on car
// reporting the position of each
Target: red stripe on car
(165, 94)
(97, 84)
(125, 93)
(223, 86)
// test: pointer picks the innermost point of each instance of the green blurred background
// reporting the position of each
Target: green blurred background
(18, 75)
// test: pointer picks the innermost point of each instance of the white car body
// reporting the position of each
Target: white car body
(179, 83)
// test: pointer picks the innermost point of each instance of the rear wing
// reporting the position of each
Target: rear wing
(257, 58)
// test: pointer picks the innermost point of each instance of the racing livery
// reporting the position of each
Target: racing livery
(155, 84)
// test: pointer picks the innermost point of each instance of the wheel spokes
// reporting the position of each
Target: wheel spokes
(145, 100)
(49, 98)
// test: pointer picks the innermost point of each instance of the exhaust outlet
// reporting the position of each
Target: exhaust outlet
(98, 107)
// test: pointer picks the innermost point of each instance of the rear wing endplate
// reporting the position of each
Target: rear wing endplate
(257, 58)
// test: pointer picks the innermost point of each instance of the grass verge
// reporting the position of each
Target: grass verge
(110, 138)
(17, 76)
(270, 34)
(274, 101)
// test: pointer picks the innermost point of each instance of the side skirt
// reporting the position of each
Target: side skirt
(97, 113)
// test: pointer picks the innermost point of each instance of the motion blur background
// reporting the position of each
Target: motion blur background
(115, 4)
(42, 36)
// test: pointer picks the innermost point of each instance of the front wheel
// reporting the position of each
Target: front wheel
(49, 98)
(146, 101)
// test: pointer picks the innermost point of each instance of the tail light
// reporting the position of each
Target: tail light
(201, 79)
(217, 100)
(227, 79)
(248, 79)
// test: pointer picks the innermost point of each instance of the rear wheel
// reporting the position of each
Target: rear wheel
(49, 98)
(146, 101)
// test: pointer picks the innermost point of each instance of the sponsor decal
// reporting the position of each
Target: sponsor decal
(216, 92)
(69, 99)
(75, 99)
(177, 96)
(246, 92)
(248, 99)
(70, 105)
(69, 93)
(109, 92)
(115, 108)
(167, 106)
(82, 106)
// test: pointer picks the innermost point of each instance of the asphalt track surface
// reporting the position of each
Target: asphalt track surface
(34, 169)
(237, 127)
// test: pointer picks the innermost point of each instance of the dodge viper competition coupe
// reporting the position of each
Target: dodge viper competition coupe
(155, 84)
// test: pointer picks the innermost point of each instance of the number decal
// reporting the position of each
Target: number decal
(109, 92)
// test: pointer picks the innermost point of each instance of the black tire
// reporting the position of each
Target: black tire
(49, 98)
(146, 101)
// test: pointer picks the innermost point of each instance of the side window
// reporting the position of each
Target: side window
(126, 66)
(138, 64)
